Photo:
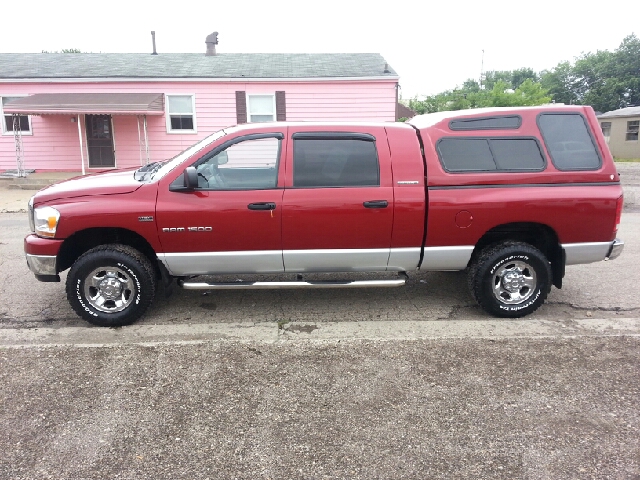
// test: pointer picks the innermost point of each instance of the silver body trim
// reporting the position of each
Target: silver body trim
(42, 264)
(214, 263)
(446, 258)
(403, 259)
(321, 260)
(587, 252)
(336, 260)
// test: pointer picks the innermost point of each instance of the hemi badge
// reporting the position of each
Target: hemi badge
(408, 182)
(146, 219)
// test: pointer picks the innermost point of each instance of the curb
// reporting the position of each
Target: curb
(338, 332)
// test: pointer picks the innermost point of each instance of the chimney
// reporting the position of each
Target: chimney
(211, 41)
(153, 39)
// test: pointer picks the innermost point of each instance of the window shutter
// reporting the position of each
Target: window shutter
(281, 107)
(241, 107)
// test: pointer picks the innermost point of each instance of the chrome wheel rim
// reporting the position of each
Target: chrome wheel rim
(109, 289)
(514, 283)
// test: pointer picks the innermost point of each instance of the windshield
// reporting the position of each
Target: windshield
(158, 170)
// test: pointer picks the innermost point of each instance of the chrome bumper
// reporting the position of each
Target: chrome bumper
(42, 264)
(616, 249)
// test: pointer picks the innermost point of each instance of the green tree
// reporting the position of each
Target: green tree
(560, 83)
(471, 96)
(605, 80)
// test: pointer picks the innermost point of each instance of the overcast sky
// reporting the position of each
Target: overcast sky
(433, 46)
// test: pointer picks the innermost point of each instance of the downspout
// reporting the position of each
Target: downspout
(81, 146)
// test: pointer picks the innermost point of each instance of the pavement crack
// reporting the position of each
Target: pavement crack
(596, 309)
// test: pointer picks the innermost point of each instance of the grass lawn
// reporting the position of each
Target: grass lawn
(626, 160)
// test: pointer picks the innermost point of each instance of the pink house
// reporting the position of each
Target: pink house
(90, 112)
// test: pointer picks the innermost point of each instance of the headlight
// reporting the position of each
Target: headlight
(45, 221)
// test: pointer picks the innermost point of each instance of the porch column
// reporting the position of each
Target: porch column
(139, 139)
(146, 139)
(17, 137)
(81, 146)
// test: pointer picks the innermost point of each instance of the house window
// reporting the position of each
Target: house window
(632, 130)
(261, 108)
(181, 117)
(7, 120)
(606, 130)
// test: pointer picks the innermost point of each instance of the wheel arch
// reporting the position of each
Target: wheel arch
(84, 240)
(539, 235)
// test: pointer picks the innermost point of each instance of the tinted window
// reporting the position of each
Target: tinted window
(490, 154)
(335, 162)
(466, 154)
(568, 141)
(487, 123)
(517, 154)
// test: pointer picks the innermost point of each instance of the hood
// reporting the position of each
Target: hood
(107, 183)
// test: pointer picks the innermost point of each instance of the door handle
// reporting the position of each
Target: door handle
(376, 204)
(262, 206)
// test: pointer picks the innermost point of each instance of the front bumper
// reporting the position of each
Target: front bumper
(616, 249)
(42, 254)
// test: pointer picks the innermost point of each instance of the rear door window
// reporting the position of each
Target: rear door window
(338, 161)
(568, 141)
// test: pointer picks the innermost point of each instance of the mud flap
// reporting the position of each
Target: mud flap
(558, 263)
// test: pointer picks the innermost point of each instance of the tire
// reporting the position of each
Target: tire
(111, 285)
(510, 279)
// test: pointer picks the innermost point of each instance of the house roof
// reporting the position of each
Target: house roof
(622, 112)
(192, 65)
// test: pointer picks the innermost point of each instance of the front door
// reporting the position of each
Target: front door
(232, 222)
(100, 141)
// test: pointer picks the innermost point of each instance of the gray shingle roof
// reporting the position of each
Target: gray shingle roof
(192, 65)
(622, 112)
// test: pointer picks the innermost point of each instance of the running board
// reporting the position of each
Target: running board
(278, 285)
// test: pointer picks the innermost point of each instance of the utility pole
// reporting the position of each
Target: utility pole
(482, 69)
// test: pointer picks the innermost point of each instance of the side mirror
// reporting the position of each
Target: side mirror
(190, 178)
(187, 182)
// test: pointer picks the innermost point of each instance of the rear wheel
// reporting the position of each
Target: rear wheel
(510, 279)
(111, 285)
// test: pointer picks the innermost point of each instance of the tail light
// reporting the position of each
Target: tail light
(619, 205)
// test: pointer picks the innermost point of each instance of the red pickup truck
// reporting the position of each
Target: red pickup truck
(512, 195)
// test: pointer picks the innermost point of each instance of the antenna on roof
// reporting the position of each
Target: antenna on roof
(153, 40)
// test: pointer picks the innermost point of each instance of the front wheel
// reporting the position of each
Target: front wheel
(510, 279)
(111, 285)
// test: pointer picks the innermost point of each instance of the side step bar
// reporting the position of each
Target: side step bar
(281, 285)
